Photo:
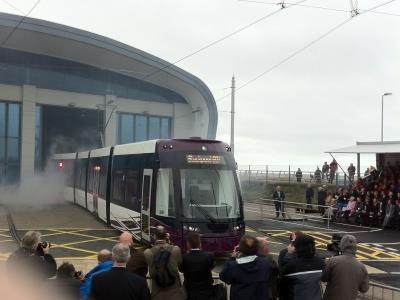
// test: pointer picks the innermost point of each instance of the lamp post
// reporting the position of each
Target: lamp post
(385, 94)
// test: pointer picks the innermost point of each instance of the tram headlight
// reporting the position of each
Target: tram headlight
(193, 228)
(238, 227)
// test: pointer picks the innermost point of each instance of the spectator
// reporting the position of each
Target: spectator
(344, 274)
(247, 273)
(32, 259)
(374, 211)
(390, 215)
(104, 259)
(287, 254)
(332, 170)
(318, 175)
(361, 212)
(279, 201)
(321, 199)
(118, 282)
(352, 171)
(67, 282)
(164, 260)
(263, 251)
(196, 268)
(309, 196)
(366, 173)
(398, 214)
(137, 263)
(301, 276)
(350, 209)
(299, 175)
(325, 171)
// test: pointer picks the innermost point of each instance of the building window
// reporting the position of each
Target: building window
(38, 138)
(9, 142)
(137, 128)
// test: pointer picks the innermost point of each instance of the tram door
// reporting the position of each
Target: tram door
(96, 184)
(145, 209)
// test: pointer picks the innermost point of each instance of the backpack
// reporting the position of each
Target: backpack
(163, 271)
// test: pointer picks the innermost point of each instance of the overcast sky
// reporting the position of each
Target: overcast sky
(326, 97)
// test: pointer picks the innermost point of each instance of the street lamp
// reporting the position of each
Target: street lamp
(385, 94)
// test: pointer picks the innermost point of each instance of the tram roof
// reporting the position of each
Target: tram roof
(370, 148)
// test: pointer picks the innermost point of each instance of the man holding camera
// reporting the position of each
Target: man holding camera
(32, 259)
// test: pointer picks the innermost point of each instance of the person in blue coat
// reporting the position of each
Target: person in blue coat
(105, 264)
(247, 272)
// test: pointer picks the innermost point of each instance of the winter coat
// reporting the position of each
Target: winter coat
(345, 276)
(309, 193)
(248, 277)
(64, 288)
(175, 291)
(321, 197)
(29, 264)
(87, 284)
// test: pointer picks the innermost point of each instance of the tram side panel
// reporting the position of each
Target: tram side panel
(126, 190)
(97, 186)
(80, 181)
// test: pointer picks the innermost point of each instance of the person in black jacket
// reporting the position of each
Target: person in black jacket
(196, 268)
(279, 201)
(301, 276)
(119, 283)
(309, 196)
(67, 283)
(246, 272)
(32, 260)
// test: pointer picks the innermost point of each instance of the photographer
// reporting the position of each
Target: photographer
(333, 247)
(32, 260)
(67, 283)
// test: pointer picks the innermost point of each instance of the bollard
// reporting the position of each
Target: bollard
(289, 173)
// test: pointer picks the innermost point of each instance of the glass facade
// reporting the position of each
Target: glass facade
(38, 138)
(10, 140)
(137, 128)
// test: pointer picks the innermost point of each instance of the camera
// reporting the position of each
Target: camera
(44, 245)
(78, 274)
(334, 246)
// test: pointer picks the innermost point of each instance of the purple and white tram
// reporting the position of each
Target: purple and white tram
(184, 185)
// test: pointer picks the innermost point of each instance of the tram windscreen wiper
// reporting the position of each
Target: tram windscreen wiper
(203, 211)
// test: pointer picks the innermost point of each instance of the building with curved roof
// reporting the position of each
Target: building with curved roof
(63, 89)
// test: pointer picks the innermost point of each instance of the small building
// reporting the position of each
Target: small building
(386, 152)
(63, 89)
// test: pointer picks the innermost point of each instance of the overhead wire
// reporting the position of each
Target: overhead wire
(318, 7)
(19, 23)
(13, 6)
(221, 39)
(308, 45)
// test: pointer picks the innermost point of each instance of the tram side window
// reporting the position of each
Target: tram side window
(132, 196)
(83, 177)
(103, 177)
(165, 204)
(118, 186)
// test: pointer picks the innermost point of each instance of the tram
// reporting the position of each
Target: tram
(183, 184)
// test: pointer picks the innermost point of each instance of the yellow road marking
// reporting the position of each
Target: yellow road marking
(4, 241)
(84, 235)
(73, 248)
(86, 241)
(5, 235)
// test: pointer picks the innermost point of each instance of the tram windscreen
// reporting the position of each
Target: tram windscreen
(209, 194)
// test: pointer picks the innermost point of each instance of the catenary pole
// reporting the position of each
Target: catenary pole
(233, 114)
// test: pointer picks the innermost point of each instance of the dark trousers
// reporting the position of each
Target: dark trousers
(309, 206)
(280, 208)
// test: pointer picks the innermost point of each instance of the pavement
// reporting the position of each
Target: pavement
(378, 249)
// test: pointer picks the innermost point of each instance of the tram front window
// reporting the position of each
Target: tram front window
(209, 194)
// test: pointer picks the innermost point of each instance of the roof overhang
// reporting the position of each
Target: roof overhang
(60, 41)
(370, 148)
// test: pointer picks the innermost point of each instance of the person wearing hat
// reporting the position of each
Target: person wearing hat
(344, 274)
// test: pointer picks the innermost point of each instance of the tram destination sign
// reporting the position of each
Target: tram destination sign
(205, 159)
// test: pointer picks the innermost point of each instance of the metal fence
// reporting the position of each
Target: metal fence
(273, 173)
(376, 290)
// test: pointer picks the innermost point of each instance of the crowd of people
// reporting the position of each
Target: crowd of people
(371, 201)
(251, 272)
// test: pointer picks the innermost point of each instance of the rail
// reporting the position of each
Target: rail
(376, 290)
(289, 174)
(299, 211)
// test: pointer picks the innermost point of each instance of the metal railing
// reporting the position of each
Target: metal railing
(379, 291)
(294, 210)
(376, 290)
(267, 173)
